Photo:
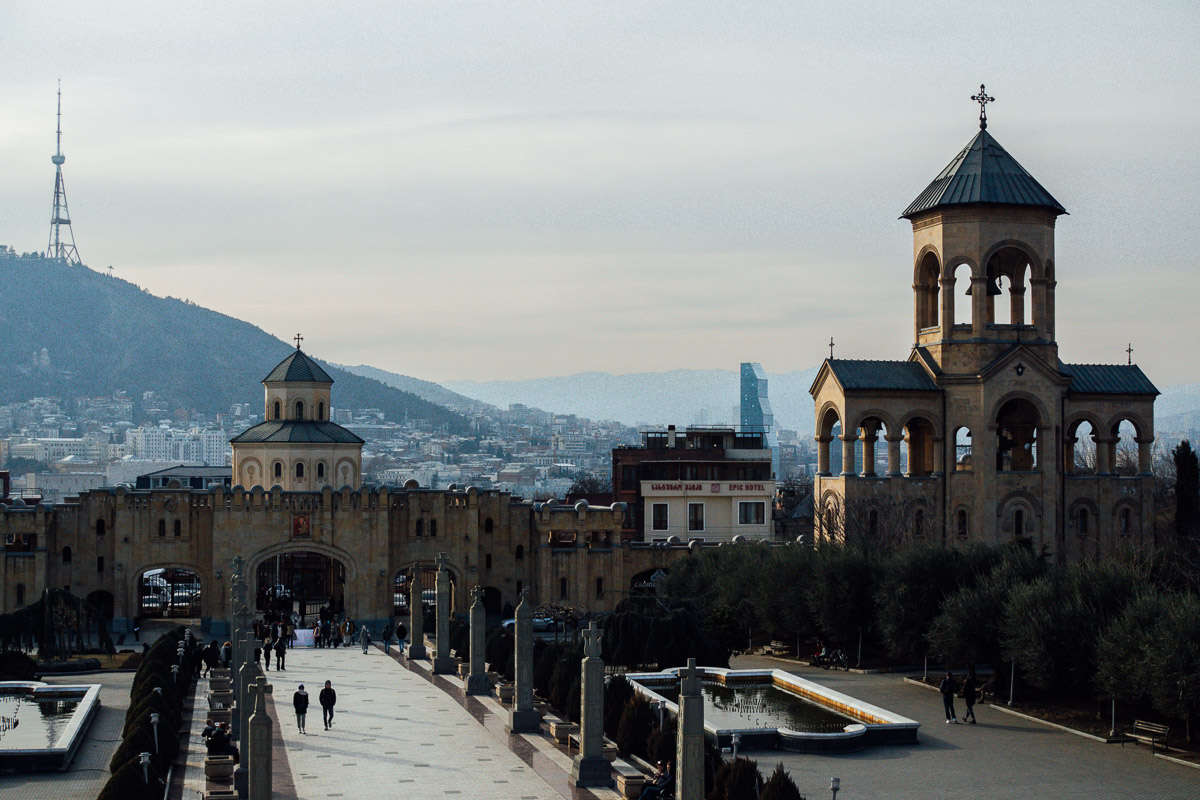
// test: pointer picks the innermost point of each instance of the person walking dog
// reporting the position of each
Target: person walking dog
(300, 703)
(328, 698)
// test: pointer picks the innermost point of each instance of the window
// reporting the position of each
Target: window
(420, 527)
(278, 469)
(299, 469)
(20, 594)
(562, 588)
(1018, 522)
(66, 555)
(695, 516)
(919, 524)
(320, 469)
(178, 529)
(433, 528)
(299, 409)
(1125, 519)
(962, 450)
(99, 565)
(162, 528)
(320, 411)
(752, 513)
(488, 525)
(278, 410)
(520, 553)
(660, 516)
(1083, 522)
(487, 561)
(962, 523)
(99, 527)
(628, 478)
(599, 587)
(690, 472)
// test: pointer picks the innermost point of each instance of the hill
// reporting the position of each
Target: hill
(102, 334)
(427, 390)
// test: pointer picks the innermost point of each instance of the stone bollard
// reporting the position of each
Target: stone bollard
(689, 739)
(259, 753)
(477, 679)
(523, 717)
(590, 767)
(416, 617)
(443, 662)
(249, 673)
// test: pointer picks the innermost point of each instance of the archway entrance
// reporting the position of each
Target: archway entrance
(302, 582)
(169, 592)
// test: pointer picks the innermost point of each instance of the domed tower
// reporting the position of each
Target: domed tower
(297, 447)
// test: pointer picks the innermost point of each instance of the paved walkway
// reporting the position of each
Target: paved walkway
(1001, 757)
(399, 730)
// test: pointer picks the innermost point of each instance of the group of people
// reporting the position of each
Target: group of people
(275, 639)
(218, 740)
(661, 784)
(332, 633)
(970, 692)
(327, 698)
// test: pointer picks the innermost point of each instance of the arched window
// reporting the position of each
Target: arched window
(488, 525)
(962, 523)
(962, 294)
(919, 524)
(1083, 522)
(599, 587)
(1016, 437)
(66, 555)
(1126, 517)
(162, 529)
(433, 528)
(320, 469)
(278, 410)
(20, 594)
(520, 552)
(100, 527)
(1019, 522)
(1008, 269)
(321, 410)
(928, 304)
(562, 588)
(420, 527)
(178, 529)
(962, 450)
(299, 409)
(278, 469)
(299, 469)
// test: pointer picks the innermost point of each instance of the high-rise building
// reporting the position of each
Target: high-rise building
(756, 413)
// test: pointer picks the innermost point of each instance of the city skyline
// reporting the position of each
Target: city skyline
(662, 188)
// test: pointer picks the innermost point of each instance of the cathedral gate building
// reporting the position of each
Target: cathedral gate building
(983, 434)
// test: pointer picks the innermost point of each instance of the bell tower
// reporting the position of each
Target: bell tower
(983, 241)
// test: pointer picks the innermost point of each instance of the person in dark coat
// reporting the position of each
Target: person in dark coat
(328, 698)
(970, 692)
(948, 687)
(280, 650)
(300, 703)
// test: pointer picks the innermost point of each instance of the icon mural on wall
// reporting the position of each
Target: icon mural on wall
(300, 526)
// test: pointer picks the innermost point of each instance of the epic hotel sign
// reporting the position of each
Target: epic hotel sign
(718, 489)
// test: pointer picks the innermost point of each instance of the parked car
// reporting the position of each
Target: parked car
(540, 624)
(151, 602)
(183, 599)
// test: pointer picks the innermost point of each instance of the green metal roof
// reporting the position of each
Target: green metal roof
(1107, 379)
(298, 368)
(905, 376)
(297, 431)
(983, 172)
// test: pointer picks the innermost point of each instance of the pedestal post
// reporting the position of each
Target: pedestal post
(259, 753)
(522, 717)
(590, 767)
(247, 675)
(689, 747)
(416, 617)
(443, 663)
(477, 680)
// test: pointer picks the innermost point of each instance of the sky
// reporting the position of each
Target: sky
(485, 190)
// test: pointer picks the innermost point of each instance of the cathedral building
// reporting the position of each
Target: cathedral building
(983, 434)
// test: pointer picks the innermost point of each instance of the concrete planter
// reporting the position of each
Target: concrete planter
(219, 768)
(562, 731)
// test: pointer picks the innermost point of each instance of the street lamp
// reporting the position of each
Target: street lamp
(659, 705)
(737, 740)
(145, 760)
(154, 717)
(834, 785)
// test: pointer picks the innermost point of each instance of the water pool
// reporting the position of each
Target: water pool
(761, 706)
(28, 724)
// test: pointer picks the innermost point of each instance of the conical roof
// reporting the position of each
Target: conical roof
(298, 368)
(983, 172)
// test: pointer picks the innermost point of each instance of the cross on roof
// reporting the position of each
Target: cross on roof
(1129, 353)
(983, 99)
(298, 339)
(831, 347)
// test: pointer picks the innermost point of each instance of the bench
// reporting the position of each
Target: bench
(219, 768)
(561, 730)
(630, 784)
(1149, 730)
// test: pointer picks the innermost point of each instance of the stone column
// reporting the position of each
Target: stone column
(477, 679)
(241, 643)
(590, 767)
(416, 617)
(259, 754)
(979, 305)
(823, 454)
(247, 675)
(868, 443)
(443, 663)
(522, 718)
(1145, 454)
(689, 736)
(242, 630)
(939, 456)
(947, 298)
(848, 442)
(893, 441)
(1103, 454)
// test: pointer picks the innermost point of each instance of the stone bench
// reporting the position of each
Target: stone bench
(630, 780)
(562, 730)
(506, 691)
(219, 768)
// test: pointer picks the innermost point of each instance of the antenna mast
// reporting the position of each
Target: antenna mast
(62, 236)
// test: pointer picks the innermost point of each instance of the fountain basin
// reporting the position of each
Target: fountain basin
(43, 725)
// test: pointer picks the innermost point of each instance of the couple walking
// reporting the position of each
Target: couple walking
(970, 693)
(327, 698)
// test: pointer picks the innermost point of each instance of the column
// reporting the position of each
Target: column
(979, 306)
(259, 754)
(1103, 454)
(868, 442)
(443, 663)
(1016, 304)
(893, 441)
(848, 441)
(947, 298)
(689, 736)
(247, 675)
(1069, 454)
(522, 718)
(416, 617)
(590, 767)
(477, 680)
(939, 456)
(1145, 454)
(823, 455)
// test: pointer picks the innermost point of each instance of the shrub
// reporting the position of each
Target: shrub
(127, 783)
(780, 786)
(16, 666)
(633, 730)
(737, 780)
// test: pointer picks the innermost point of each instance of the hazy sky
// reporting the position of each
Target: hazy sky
(511, 190)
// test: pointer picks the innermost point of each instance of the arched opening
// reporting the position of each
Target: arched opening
(493, 601)
(562, 588)
(600, 587)
(178, 529)
(320, 470)
(420, 527)
(169, 592)
(20, 594)
(321, 410)
(433, 529)
(519, 553)
(1124, 448)
(488, 525)
(829, 460)
(66, 555)
(1018, 523)
(917, 449)
(962, 524)
(1125, 521)
(299, 409)
(299, 469)
(162, 529)
(1083, 522)
(1017, 437)
(962, 295)
(962, 449)
(100, 529)
(873, 456)
(278, 410)
(1081, 448)
(928, 296)
(300, 582)
(278, 469)
(919, 525)
(1008, 271)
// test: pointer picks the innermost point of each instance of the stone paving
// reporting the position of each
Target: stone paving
(1001, 757)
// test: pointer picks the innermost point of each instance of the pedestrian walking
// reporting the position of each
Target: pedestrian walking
(280, 650)
(948, 687)
(401, 637)
(386, 635)
(970, 692)
(226, 653)
(300, 703)
(328, 698)
(364, 638)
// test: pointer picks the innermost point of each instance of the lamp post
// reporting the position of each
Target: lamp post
(145, 760)
(658, 706)
(834, 785)
(1012, 682)
(1112, 731)
(737, 740)
(154, 717)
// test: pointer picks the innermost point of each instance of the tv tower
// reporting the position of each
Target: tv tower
(62, 237)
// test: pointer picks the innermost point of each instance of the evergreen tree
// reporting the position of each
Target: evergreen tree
(1187, 490)
(780, 786)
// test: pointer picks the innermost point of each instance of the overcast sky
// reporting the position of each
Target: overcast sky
(512, 190)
